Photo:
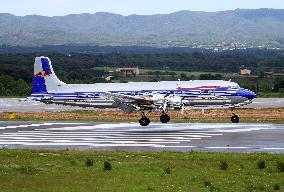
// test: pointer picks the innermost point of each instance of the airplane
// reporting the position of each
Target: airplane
(144, 97)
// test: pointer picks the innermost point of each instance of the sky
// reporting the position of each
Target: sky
(128, 7)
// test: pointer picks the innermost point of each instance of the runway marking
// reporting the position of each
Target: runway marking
(114, 131)
(106, 137)
(83, 144)
(90, 135)
(130, 135)
(74, 141)
(113, 134)
(91, 139)
(275, 148)
(175, 146)
(37, 125)
(227, 147)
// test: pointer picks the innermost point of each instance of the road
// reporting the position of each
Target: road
(131, 136)
(14, 105)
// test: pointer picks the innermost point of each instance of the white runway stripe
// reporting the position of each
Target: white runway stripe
(94, 141)
(105, 136)
(175, 146)
(111, 135)
(131, 135)
(120, 132)
(227, 147)
(88, 139)
(37, 125)
(275, 148)
(81, 144)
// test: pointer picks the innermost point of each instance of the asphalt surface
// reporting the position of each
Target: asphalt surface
(131, 136)
(15, 105)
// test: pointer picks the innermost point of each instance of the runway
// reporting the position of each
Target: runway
(15, 105)
(131, 136)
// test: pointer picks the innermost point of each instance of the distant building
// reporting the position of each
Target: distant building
(109, 78)
(245, 71)
(273, 74)
(128, 71)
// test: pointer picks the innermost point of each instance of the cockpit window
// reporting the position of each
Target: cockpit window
(235, 87)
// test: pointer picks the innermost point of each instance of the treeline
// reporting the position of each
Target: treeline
(92, 49)
(16, 70)
(10, 87)
(171, 61)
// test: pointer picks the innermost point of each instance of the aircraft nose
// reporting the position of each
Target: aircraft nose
(247, 93)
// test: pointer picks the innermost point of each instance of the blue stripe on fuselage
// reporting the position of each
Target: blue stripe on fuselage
(193, 92)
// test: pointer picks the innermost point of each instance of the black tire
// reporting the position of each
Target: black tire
(235, 119)
(144, 121)
(165, 118)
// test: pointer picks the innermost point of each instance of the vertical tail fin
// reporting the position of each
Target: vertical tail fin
(45, 80)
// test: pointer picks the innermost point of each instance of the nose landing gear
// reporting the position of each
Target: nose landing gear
(235, 118)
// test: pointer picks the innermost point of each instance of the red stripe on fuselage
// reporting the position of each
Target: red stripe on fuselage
(200, 87)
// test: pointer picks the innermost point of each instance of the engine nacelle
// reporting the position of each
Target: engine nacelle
(175, 101)
(158, 98)
(170, 100)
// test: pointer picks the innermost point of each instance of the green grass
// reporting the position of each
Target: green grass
(178, 72)
(188, 73)
(43, 170)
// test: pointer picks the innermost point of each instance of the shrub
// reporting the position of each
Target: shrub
(149, 188)
(276, 187)
(167, 170)
(260, 187)
(73, 162)
(261, 164)
(27, 169)
(250, 184)
(207, 183)
(89, 162)
(280, 166)
(107, 166)
(214, 189)
(223, 165)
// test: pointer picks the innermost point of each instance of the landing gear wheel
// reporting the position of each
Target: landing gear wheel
(164, 118)
(144, 121)
(235, 119)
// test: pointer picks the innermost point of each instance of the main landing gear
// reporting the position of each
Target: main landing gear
(145, 121)
(165, 118)
(234, 118)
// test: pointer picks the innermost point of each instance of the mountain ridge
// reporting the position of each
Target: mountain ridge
(251, 27)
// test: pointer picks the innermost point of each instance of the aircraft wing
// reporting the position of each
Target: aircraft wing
(134, 99)
(127, 103)
(82, 103)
